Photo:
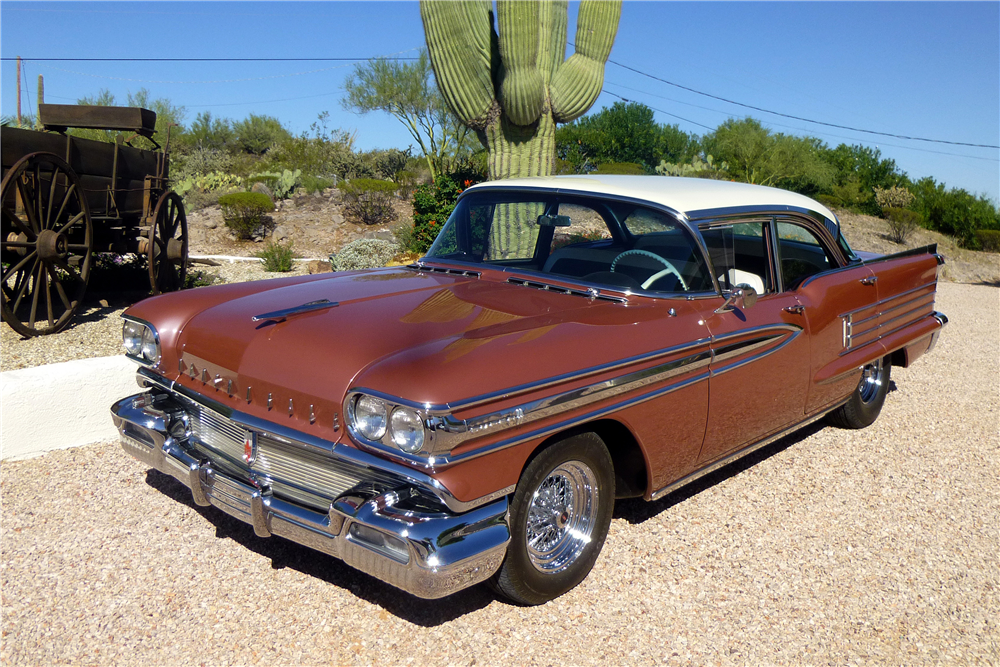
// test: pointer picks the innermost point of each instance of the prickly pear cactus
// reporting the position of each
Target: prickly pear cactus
(511, 83)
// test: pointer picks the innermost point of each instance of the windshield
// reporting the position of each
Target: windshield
(610, 243)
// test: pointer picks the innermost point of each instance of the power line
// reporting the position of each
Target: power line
(608, 92)
(800, 118)
(791, 127)
(200, 60)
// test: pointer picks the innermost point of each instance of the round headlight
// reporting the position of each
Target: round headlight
(407, 430)
(150, 348)
(370, 417)
(132, 337)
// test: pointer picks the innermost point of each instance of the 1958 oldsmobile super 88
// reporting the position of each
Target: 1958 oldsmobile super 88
(566, 341)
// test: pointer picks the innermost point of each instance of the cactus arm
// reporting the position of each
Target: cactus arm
(460, 42)
(578, 81)
(522, 91)
(552, 26)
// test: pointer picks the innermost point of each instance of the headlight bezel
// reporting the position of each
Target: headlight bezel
(416, 444)
(149, 351)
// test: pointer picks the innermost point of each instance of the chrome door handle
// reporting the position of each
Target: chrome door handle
(870, 280)
(794, 310)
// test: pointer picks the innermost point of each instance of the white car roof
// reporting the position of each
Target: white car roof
(684, 195)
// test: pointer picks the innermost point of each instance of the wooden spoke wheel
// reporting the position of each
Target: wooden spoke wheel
(46, 244)
(167, 245)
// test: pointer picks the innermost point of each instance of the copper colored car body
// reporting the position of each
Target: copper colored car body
(565, 342)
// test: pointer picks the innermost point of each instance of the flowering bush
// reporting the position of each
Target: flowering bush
(432, 204)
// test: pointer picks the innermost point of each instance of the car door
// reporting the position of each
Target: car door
(760, 355)
(830, 295)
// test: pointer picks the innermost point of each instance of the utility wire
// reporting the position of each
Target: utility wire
(200, 60)
(800, 118)
(608, 92)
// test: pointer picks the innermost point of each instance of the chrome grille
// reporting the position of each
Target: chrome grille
(292, 470)
(217, 432)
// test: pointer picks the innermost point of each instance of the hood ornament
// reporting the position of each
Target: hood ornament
(282, 315)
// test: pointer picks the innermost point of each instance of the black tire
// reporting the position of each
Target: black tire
(865, 404)
(576, 476)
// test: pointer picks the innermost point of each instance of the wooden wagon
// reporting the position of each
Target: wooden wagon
(66, 198)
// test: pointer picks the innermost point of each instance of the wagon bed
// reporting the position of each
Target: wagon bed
(66, 198)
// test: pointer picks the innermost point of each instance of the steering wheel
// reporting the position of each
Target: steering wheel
(659, 274)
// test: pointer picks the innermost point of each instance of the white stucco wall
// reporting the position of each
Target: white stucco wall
(58, 406)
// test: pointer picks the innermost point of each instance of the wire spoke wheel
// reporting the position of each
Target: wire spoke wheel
(167, 245)
(46, 245)
(561, 516)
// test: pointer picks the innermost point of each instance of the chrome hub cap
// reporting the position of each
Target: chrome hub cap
(871, 381)
(561, 517)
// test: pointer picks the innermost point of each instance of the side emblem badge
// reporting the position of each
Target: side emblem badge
(249, 447)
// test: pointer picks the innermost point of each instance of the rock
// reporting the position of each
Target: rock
(211, 223)
(338, 219)
(280, 233)
(319, 266)
(385, 235)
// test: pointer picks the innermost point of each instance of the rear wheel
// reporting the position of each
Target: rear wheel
(559, 519)
(865, 404)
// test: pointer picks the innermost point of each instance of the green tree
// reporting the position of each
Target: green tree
(510, 82)
(756, 155)
(168, 116)
(258, 134)
(211, 133)
(406, 92)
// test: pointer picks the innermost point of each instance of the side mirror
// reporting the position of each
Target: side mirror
(743, 297)
(554, 221)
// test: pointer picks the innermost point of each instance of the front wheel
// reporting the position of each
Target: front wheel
(865, 404)
(559, 519)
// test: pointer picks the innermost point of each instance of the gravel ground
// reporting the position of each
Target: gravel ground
(829, 547)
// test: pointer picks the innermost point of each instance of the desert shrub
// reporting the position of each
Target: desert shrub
(902, 222)
(989, 239)
(276, 257)
(829, 201)
(369, 201)
(245, 213)
(384, 164)
(896, 197)
(364, 254)
(696, 168)
(625, 168)
(955, 212)
(199, 191)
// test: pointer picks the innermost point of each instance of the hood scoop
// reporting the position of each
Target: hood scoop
(284, 314)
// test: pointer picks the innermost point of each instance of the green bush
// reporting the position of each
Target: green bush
(989, 239)
(312, 184)
(277, 257)
(625, 168)
(258, 134)
(369, 201)
(829, 201)
(364, 254)
(902, 222)
(244, 213)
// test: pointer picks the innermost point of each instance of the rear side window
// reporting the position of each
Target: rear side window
(800, 254)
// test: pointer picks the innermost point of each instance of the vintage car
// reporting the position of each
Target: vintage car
(565, 342)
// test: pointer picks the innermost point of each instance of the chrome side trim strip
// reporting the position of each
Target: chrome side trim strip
(591, 293)
(726, 460)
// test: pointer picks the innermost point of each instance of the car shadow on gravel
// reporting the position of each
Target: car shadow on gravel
(286, 554)
(637, 510)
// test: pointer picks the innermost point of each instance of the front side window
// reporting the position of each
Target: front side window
(739, 255)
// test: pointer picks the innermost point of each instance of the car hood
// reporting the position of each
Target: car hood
(426, 337)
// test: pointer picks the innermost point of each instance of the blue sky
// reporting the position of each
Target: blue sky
(920, 69)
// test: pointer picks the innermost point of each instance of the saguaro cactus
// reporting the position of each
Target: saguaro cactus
(511, 87)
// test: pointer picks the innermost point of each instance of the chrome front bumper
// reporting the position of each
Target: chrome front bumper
(430, 552)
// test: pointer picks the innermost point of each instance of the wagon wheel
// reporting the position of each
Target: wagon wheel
(46, 244)
(167, 245)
